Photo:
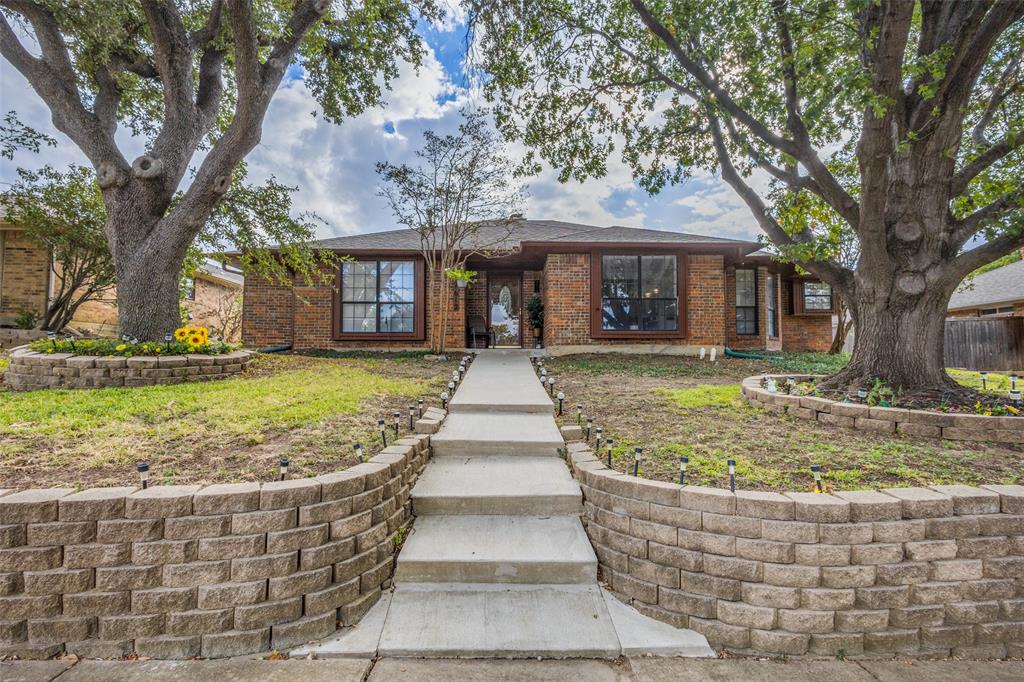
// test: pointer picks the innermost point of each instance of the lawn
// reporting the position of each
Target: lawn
(309, 409)
(672, 407)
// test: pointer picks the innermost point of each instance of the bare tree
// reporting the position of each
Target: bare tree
(191, 75)
(458, 199)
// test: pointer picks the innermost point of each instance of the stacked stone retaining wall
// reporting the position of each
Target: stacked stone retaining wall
(30, 370)
(912, 571)
(885, 420)
(214, 571)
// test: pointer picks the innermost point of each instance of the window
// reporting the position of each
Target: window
(189, 289)
(772, 303)
(639, 293)
(1004, 310)
(817, 297)
(378, 297)
(746, 302)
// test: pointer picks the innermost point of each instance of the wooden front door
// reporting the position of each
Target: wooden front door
(505, 309)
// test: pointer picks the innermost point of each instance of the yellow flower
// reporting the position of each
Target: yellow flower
(120, 347)
(196, 341)
(181, 333)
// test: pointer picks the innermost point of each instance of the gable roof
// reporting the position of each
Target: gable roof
(505, 235)
(1002, 285)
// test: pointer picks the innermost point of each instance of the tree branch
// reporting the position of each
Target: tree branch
(60, 94)
(966, 228)
(969, 261)
(1010, 142)
(1003, 89)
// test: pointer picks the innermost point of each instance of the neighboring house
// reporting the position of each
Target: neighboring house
(25, 275)
(602, 287)
(996, 293)
(212, 299)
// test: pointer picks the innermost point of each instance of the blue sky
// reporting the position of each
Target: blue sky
(332, 165)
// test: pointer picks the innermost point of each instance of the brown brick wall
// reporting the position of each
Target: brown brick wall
(803, 332)
(705, 299)
(267, 313)
(24, 275)
(567, 299)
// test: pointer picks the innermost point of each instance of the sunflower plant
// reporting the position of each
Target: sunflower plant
(184, 340)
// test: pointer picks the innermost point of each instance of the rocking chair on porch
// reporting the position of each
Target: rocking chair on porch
(478, 335)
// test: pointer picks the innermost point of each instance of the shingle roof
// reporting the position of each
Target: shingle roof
(217, 272)
(1002, 285)
(505, 235)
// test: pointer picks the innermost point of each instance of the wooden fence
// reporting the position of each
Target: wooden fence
(985, 343)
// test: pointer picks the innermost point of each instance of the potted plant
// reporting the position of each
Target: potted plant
(535, 316)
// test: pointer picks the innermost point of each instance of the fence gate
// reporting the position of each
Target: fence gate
(985, 343)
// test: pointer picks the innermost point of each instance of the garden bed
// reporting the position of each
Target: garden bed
(310, 410)
(674, 406)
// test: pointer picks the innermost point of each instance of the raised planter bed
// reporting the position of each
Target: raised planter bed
(928, 572)
(29, 370)
(921, 423)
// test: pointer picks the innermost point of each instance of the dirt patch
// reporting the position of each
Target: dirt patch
(634, 400)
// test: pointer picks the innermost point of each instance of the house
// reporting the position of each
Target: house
(27, 281)
(25, 275)
(602, 287)
(996, 293)
(212, 299)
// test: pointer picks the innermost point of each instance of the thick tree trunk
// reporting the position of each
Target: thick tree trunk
(147, 294)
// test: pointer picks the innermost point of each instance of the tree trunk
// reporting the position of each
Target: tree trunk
(147, 294)
(842, 328)
(902, 345)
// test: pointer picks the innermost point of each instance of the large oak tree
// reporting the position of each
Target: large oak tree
(191, 76)
(905, 118)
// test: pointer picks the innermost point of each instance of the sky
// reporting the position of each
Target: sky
(333, 165)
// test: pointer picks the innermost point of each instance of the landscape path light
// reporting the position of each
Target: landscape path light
(608, 445)
(383, 432)
(579, 413)
(420, 405)
(412, 417)
(451, 387)
(284, 469)
(984, 380)
(167, 340)
(143, 469)
(637, 454)
(862, 394)
(70, 338)
(444, 400)
(561, 399)
(597, 438)
(1013, 382)
(358, 448)
(816, 471)
(590, 425)
(683, 461)
(551, 385)
(732, 475)
(398, 421)
(52, 336)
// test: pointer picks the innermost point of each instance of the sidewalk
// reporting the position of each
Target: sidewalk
(418, 670)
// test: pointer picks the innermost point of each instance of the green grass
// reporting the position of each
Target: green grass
(727, 395)
(308, 409)
(994, 382)
(809, 363)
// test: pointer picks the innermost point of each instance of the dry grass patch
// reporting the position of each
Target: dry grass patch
(308, 409)
(673, 407)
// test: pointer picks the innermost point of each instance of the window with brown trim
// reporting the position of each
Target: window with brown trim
(378, 296)
(639, 293)
(746, 302)
(817, 297)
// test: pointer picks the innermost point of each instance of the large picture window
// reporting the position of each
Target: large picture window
(378, 296)
(639, 293)
(817, 297)
(772, 304)
(746, 302)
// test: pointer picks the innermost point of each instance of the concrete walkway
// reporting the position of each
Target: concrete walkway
(413, 670)
(498, 564)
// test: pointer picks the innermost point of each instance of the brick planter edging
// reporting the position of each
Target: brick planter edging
(913, 571)
(214, 571)
(920, 423)
(29, 370)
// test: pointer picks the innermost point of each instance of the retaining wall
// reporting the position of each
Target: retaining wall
(185, 571)
(911, 571)
(30, 370)
(886, 420)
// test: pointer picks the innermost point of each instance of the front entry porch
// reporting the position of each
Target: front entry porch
(496, 305)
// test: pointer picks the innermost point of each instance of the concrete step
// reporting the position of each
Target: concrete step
(497, 484)
(498, 621)
(501, 382)
(497, 549)
(482, 433)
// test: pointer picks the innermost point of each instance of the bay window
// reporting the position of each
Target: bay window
(639, 293)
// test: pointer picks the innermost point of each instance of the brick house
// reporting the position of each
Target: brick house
(996, 293)
(628, 288)
(25, 274)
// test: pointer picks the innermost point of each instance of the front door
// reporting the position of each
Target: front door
(504, 309)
